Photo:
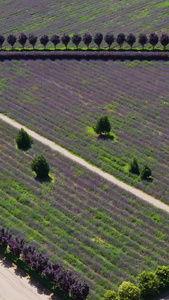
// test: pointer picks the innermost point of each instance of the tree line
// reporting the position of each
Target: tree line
(87, 38)
(52, 271)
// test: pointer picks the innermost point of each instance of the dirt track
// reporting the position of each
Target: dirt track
(15, 284)
(82, 162)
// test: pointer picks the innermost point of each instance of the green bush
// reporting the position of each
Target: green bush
(146, 173)
(110, 295)
(162, 273)
(134, 167)
(40, 166)
(149, 285)
(23, 140)
(128, 291)
(102, 125)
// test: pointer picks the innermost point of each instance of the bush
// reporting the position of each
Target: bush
(40, 166)
(149, 285)
(146, 173)
(128, 291)
(102, 125)
(110, 295)
(162, 273)
(134, 167)
(23, 140)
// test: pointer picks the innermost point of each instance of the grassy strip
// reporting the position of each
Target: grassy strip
(46, 283)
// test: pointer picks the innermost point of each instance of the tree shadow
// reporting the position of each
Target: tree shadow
(44, 179)
(21, 273)
(106, 137)
(5, 262)
(40, 288)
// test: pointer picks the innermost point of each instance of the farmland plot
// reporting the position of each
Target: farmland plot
(103, 233)
(63, 99)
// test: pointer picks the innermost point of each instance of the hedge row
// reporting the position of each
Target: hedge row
(87, 38)
(53, 272)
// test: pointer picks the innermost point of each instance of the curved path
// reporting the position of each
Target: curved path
(82, 162)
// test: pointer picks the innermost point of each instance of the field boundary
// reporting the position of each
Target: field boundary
(136, 192)
(141, 55)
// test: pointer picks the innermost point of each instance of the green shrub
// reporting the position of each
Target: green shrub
(149, 285)
(23, 140)
(162, 273)
(128, 291)
(146, 173)
(110, 295)
(40, 166)
(134, 167)
(102, 125)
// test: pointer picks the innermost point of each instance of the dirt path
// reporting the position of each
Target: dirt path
(82, 162)
(15, 284)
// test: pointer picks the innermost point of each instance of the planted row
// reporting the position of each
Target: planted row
(54, 272)
(87, 38)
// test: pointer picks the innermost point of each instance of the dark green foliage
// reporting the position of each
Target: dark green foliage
(65, 39)
(55, 39)
(162, 273)
(164, 40)
(102, 125)
(87, 38)
(44, 40)
(32, 40)
(11, 39)
(98, 38)
(128, 291)
(22, 39)
(23, 140)
(120, 39)
(110, 295)
(40, 166)
(2, 39)
(153, 39)
(142, 39)
(134, 167)
(145, 173)
(131, 39)
(76, 39)
(149, 285)
(109, 39)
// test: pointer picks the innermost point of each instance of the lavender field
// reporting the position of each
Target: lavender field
(62, 100)
(51, 17)
(103, 233)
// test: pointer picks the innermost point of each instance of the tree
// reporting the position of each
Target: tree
(11, 39)
(44, 40)
(5, 236)
(120, 39)
(32, 40)
(153, 39)
(87, 38)
(16, 246)
(109, 39)
(162, 273)
(55, 39)
(23, 140)
(65, 39)
(149, 284)
(76, 39)
(22, 39)
(131, 39)
(2, 39)
(102, 125)
(142, 39)
(145, 172)
(164, 40)
(79, 290)
(40, 166)
(134, 167)
(110, 295)
(98, 38)
(128, 291)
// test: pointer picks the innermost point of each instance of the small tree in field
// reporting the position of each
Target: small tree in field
(128, 291)
(164, 40)
(32, 40)
(120, 39)
(40, 166)
(87, 38)
(44, 40)
(131, 39)
(23, 140)
(110, 295)
(102, 126)
(65, 39)
(76, 39)
(134, 167)
(145, 173)
(22, 39)
(142, 39)
(98, 39)
(149, 285)
(2, 39)
(11, 39)
(55, 39)
(162, 273)
(153, 39)
(109, 39)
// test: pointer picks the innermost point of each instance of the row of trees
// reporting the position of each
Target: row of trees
(149, 285)
(87, 38)
(54, 272)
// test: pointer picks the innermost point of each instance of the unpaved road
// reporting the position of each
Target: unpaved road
(15, 284)
(82, 162)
